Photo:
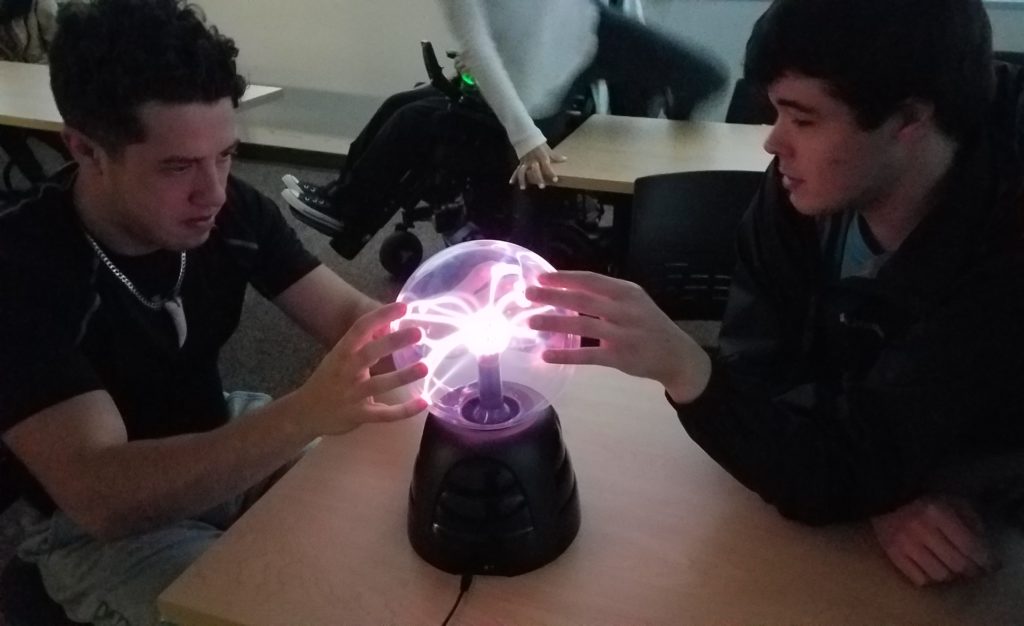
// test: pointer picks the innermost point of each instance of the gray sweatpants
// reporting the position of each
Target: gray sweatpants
(116, 583)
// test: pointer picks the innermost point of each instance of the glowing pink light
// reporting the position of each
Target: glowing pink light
(470, 301)
(483, 329)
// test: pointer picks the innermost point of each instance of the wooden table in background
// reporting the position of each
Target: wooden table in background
(27, 102)
(607, 153)
(667, 538)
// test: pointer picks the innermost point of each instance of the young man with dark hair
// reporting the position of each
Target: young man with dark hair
(120, 280)
(873, 339)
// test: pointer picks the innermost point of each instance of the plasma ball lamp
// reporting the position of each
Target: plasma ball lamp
(493, 490)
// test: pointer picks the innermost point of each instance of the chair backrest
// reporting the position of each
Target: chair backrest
(1007, 56)
(749, 105)
(682, 238)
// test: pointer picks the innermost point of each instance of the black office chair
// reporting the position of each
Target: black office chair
(682, 238)
(1007, 56)
(749, 105)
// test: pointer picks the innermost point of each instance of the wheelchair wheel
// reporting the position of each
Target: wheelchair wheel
(401, 253)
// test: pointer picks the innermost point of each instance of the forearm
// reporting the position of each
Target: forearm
(140, 485)
(787, 454)
(359, 305)
(824, 452)
(824, 455)
(479, 54)
(324, 305)
(686, 382)
(348, 305)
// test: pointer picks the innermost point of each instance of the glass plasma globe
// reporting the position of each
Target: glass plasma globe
(484, 363)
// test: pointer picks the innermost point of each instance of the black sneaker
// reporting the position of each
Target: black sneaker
(467, 232)
(303, 188)
(316, 211)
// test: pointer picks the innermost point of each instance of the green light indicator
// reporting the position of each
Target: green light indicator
(469, 80)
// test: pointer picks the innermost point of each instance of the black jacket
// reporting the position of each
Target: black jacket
(837, 399)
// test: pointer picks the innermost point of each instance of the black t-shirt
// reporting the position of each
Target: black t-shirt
(69, 326)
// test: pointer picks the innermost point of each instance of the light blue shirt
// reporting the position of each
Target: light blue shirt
(862, 255)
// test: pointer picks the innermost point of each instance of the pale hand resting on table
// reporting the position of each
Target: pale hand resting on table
(636, 336)
(934, 539)
(339, 396)
(535, 167)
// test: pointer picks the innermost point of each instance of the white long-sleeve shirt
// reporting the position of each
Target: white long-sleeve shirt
(524, 55)
(26, 38)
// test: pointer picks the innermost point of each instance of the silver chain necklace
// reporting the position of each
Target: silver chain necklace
(173, 305)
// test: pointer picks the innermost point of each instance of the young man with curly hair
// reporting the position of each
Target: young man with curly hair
(120, 281)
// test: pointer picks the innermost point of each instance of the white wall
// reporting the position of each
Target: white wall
(722, 26)
(1007, 26)
(355, 46)
(370, 47)
(719, 26)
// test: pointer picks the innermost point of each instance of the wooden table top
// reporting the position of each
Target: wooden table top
(27, 102)
(608, 152)
(667, 537)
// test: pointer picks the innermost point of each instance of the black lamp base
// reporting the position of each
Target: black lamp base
(500, 502)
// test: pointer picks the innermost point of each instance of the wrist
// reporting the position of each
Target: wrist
(688, 379)
(300, 415)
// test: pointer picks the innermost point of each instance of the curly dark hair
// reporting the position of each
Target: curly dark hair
(876, 54)
(109, 57)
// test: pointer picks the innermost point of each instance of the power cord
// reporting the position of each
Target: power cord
(464, 583)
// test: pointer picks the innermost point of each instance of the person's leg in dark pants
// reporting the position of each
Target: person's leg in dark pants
(399, 138)
(377, 123)
(384, 177)
(640, 63)
(402, 142)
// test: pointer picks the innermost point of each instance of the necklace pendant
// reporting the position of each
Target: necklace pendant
(176, 309)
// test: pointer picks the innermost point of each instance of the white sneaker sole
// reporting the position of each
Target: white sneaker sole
(297, 205)
(290, 182)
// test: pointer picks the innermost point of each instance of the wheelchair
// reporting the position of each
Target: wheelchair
(462, 188)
